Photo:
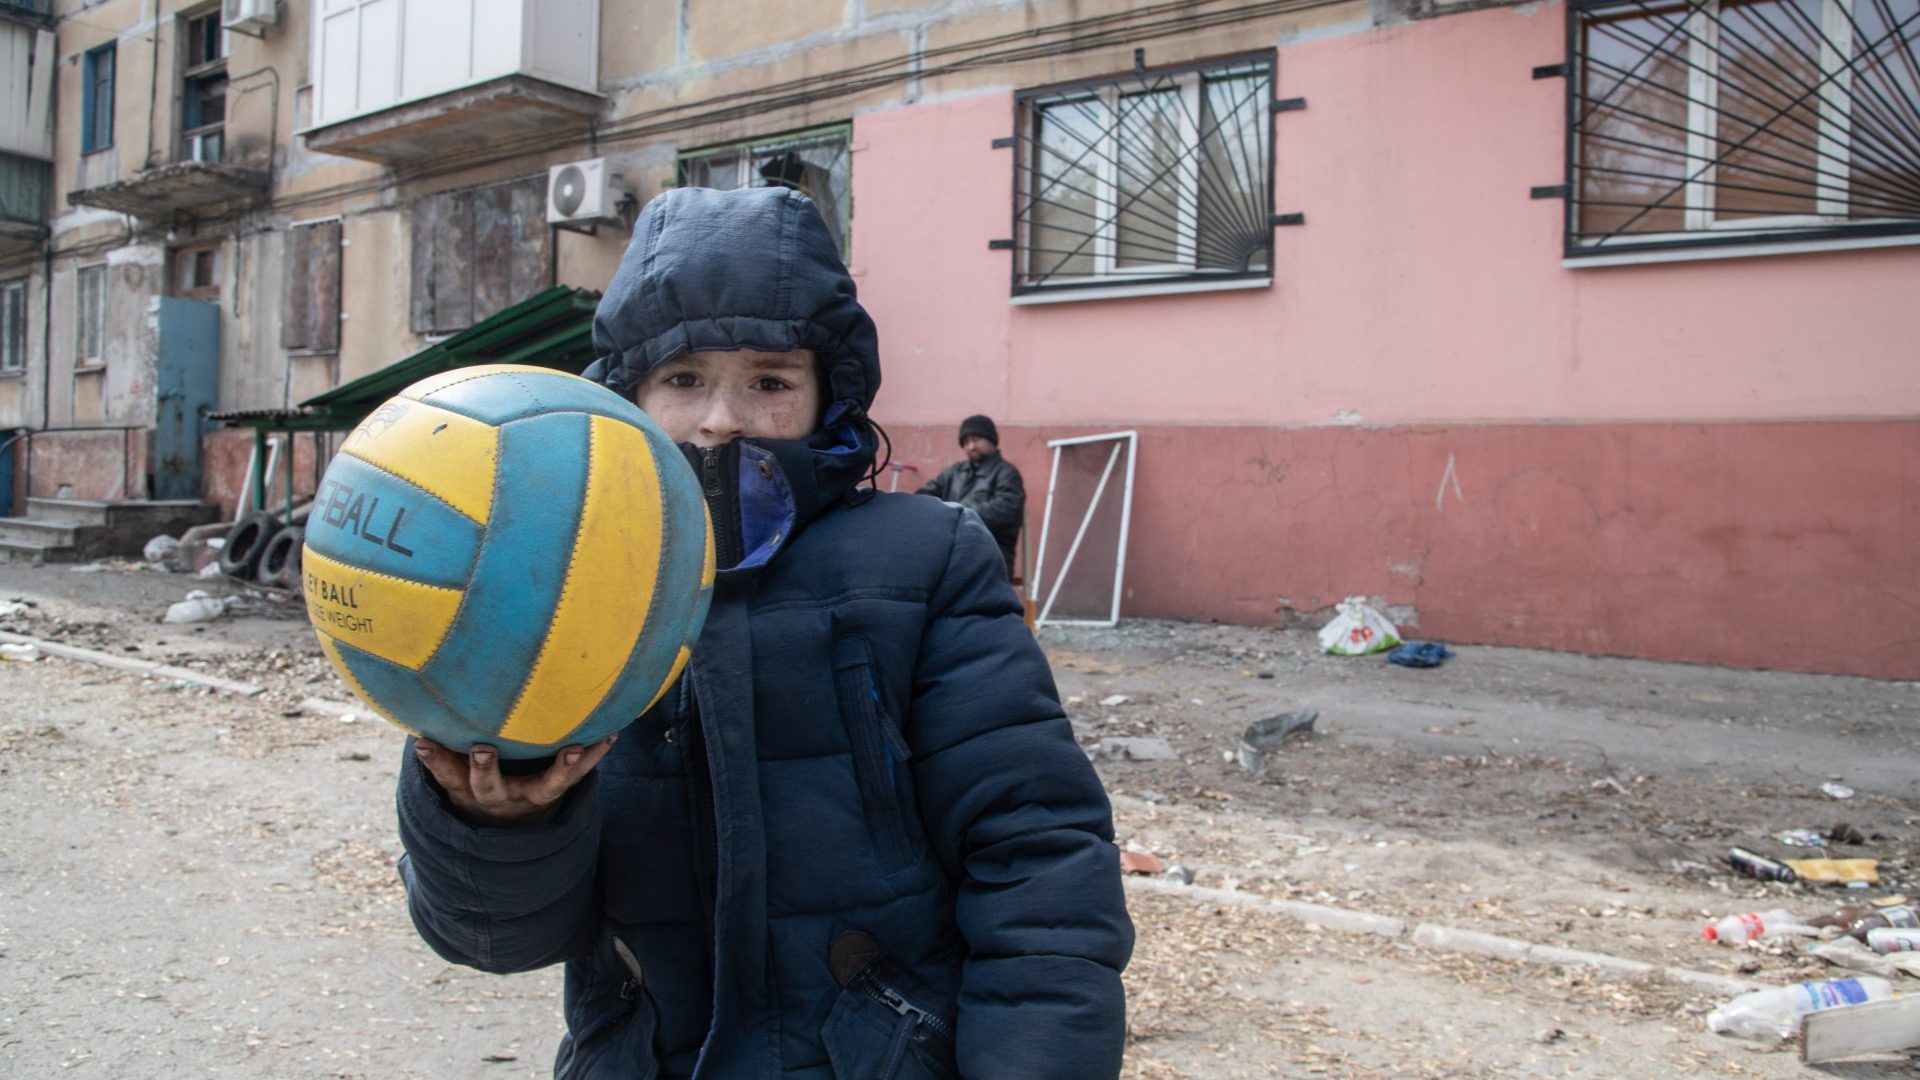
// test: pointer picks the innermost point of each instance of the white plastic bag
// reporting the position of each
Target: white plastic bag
(1357, 629)
(198, 607)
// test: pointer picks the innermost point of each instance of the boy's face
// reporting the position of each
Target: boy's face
(711, 398)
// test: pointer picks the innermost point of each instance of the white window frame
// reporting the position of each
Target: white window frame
(90, 323)
(1106, 238)
(1833, 143)
(13, 327)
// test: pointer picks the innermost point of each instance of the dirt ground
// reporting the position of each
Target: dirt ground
(196, 883)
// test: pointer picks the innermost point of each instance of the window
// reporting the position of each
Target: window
(96, 100)
(1738, 120)
(90, 316)
(310, 322)
(13, 327)
(203, 91)
(1162, 175)
(815, 164)
(478, 252)
(196, 273)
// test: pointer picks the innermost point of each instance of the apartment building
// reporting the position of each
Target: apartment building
(1582, 325)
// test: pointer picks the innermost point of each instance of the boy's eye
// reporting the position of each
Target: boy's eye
(682, 379)
(769, 383)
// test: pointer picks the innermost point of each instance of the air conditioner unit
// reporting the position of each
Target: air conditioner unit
(580, 194)
(245, 15)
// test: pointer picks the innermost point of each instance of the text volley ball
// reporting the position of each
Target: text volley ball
(509, 555)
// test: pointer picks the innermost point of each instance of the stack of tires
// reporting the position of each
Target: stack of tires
(260, 548)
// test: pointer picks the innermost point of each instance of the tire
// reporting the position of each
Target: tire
(280, 562)
(240, 556)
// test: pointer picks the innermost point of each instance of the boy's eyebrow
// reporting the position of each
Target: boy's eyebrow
(781, 361)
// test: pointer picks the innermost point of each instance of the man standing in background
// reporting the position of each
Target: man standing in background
(987, 484)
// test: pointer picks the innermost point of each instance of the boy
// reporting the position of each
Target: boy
(857, 838)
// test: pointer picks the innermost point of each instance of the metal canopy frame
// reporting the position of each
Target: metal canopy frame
(1129, 441)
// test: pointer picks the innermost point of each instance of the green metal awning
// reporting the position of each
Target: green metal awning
(553, 328)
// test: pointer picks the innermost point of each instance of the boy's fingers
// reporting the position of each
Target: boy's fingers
(483, 777)
(446, 766)
(573, 763)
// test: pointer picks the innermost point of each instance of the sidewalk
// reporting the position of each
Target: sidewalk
(1458, 865)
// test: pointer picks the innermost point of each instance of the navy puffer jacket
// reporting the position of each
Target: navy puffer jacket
(857, 839)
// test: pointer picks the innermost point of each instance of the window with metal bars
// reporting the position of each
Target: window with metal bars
(1161, 175)
(1734, 121)
(814, 163)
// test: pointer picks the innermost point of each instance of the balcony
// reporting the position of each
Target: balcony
(182, 187)
(24, 186)
(35, 12)
(401, 82)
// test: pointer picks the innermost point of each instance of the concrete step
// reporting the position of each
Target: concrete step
(40, 533)
(27, 551)
(71, 511)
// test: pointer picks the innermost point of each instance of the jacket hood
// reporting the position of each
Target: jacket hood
(749, 269)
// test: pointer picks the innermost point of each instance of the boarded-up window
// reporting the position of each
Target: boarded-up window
(311, 319)
(90, 322)
(478, 252)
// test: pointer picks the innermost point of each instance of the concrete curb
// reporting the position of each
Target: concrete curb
(1341, 919)
(1445, 938)
(150, 668)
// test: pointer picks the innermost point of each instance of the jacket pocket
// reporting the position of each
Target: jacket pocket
(878, 750)
(880, 1027)
(617, 1043)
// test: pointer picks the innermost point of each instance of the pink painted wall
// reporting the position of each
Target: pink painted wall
(1713, 461)
(1426, 284)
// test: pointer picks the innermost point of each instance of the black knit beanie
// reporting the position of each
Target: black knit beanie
(981, 426)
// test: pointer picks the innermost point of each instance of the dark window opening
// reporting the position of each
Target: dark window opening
(96, 105)
(203, 91)
(816, 164)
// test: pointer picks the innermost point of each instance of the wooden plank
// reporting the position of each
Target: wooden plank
(1877, 1027)
(128, 663)
(423, 214)
(323, 267)
(533, 237)
(494, 250)
(293, 314)
(453, 263)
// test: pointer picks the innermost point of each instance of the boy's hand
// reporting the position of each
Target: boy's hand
(484, 795)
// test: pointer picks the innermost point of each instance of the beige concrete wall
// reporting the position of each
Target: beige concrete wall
(668, 68)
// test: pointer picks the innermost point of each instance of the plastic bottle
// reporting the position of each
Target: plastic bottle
(1896, 916)
(1735, 929)
(1776, 1013)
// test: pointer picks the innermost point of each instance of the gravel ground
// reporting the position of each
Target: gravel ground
(198, 883)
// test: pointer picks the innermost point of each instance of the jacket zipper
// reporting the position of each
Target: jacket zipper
(724, 555)
(913, 1017)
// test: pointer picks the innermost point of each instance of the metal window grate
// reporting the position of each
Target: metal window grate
(1728, 121)
(814, 163)
(1160, 175)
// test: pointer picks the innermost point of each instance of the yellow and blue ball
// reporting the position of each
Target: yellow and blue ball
(509, 555)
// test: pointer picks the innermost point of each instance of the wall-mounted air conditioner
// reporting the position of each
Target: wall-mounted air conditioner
(249, 15)
(581, 194)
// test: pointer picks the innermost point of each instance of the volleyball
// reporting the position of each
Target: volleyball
(508, 555)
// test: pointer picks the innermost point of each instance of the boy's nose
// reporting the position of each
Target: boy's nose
(722, 422)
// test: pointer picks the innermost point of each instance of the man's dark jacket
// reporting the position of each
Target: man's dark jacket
(857, 839)
(993, 489)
